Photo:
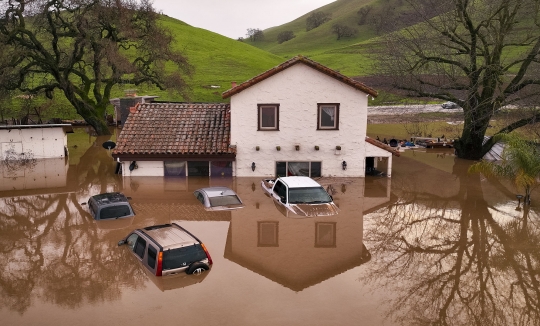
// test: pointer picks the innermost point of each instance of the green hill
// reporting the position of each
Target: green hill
(348, 55)
(217, 61)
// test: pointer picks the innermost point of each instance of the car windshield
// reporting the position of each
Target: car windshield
(311, 195)
(114, 212)
(224, 201)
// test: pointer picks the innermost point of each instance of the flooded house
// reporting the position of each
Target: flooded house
(298, 118)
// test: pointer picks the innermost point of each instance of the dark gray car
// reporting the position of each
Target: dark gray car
(111, 205)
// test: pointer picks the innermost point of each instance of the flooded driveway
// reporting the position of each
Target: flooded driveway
(432, 245)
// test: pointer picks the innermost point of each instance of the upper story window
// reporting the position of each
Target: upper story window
(268, 115)
(328, 116)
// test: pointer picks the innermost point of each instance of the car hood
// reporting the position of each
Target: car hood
(224, 208)
(310, 210)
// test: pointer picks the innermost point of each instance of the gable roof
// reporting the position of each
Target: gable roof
(376, 143)
(176, 130)
(308, 62)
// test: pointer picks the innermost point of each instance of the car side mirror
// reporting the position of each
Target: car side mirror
(121, 242)
(332, 197)
(283, 200)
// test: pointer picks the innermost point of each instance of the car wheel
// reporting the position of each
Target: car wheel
(197, 268)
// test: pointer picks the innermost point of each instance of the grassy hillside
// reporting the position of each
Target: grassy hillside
(349, 55)
(217, 61)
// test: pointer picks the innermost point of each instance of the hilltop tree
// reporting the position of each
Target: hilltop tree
(316, 19)
(255, 34)
(83, 49)
(481, 55)
(343, 31)
(285, 36)
(363, 14)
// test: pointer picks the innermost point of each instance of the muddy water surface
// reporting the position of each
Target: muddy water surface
(431, 245)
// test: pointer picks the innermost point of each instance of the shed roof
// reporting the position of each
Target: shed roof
(310, 63)
(176, 129)
(374, 142)
(67, 127)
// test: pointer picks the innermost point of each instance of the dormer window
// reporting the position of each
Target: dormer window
(328, 116)
(268, 116)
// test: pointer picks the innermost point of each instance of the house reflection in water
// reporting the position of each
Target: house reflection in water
(301, 252)
(34, 174)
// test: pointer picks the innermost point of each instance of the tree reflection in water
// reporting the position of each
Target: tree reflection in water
(52, 249)
(455, 260)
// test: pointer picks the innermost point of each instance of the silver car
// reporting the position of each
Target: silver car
(449, 105)
(218, 198)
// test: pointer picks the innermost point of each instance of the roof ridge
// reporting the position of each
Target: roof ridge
(289, 63)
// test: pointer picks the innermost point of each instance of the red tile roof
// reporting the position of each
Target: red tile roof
(176, 130)
(393, 150)
(289, 63)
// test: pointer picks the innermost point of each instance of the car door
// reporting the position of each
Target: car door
(279, 192)
(137, 245)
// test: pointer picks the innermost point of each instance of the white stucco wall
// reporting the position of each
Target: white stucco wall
(298, 89)
(374, 151)
(40, 142)
(144, 168)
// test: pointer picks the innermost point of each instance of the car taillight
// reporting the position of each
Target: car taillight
(207, 254)
(159, 264)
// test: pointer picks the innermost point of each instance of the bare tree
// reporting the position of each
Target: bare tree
(316, 19)
(83, 49)
(483, 56)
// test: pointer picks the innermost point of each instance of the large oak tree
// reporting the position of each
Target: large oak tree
(83, 48)
(483, 55)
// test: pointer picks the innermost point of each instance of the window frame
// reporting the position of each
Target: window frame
(259, 117)
(261, 239)
(336, 119)
(287, 168)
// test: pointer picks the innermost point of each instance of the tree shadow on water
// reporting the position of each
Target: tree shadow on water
(456, 260)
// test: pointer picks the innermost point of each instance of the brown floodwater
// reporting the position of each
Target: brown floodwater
(433, 245)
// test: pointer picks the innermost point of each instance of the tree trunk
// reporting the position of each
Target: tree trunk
(94, 116)
(469, 145)
(99, 125)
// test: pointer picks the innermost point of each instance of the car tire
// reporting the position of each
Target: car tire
(197, 268)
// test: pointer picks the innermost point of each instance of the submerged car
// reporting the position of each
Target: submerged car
(111, 205)
(218, 198)
(449, 105)
(168, 249)
(300, 195)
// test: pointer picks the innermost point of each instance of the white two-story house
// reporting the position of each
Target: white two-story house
(302, 118)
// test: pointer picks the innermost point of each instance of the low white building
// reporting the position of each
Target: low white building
(34, 141)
